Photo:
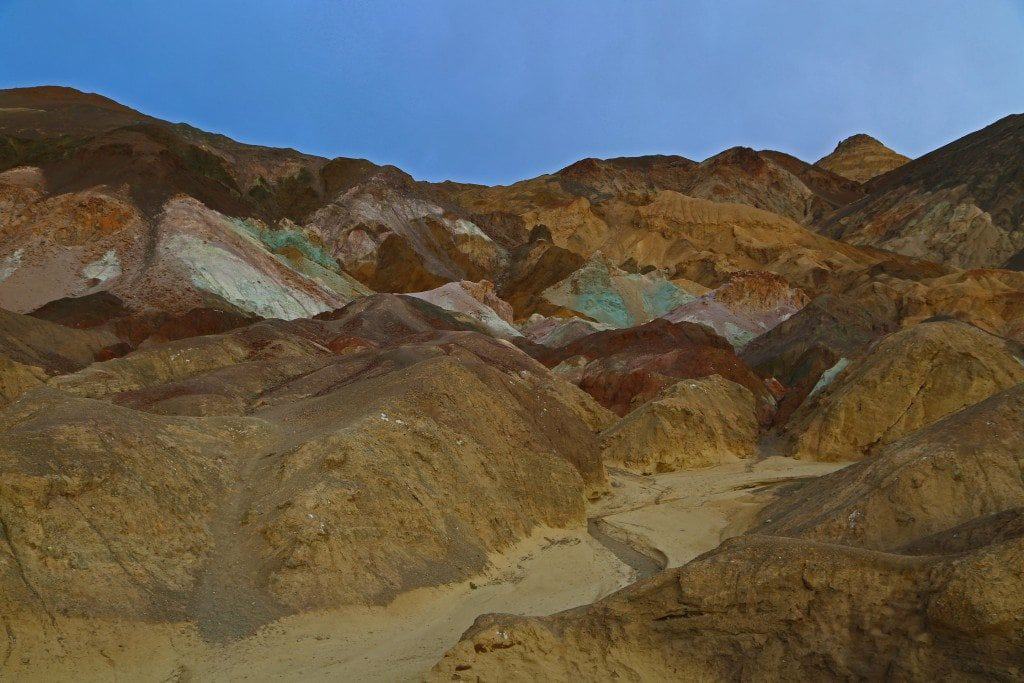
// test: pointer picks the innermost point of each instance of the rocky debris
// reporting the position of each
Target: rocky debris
(960, 204)
(477, 300)
(906, 381)
(861, 157)
(965, 466)
(745, 307)
(691, 424)
(913, 617)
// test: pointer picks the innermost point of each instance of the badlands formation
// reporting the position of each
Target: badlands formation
(265, 415)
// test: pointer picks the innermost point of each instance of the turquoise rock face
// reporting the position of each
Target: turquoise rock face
(606, 306)
(661, 296)
(612, 296)
(282, 237)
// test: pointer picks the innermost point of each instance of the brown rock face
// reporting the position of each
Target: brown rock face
(692, 423)
(965, 466)
(861, 157)
(259, 472)
(908, 380)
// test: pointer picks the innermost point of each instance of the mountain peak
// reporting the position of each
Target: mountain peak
(861, 157)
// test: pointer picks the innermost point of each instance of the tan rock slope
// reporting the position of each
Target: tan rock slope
(861, 157)
(965, 466)
(769, 607)
(691, 424)
(906, 381)
(230, 479)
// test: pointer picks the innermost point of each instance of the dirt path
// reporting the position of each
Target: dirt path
(677, 516)
(229, 601)
(644, 562)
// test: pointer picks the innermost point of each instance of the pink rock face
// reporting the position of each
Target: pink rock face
(748, 305)
(483, 292)
(476, 300)
(555, 332)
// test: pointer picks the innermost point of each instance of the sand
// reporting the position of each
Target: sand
(645, 524)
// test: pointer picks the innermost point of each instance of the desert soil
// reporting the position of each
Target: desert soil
(647, 523)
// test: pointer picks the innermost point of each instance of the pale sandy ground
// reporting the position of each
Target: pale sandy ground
(669, 518)
(679, 515)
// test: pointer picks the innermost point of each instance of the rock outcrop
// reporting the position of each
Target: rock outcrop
(622, 369)
(965, 466)
(691, 424)
(770, 607)
(908, 380)
(476, 300)
(745, 307)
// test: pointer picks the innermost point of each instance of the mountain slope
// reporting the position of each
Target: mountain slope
(962, 204)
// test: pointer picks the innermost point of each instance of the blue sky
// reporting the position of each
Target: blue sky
(479, 92)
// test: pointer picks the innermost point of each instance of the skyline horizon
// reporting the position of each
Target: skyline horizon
(548, 172)
(492, 95)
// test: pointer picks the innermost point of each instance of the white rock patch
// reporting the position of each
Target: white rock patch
(220, 272)
(103, 269)
(9, 264)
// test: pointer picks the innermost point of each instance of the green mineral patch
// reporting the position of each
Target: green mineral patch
(604, 306)
(281, 238)
(659, 295)
(611, 296)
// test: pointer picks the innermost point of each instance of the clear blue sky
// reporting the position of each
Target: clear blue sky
(476, 92)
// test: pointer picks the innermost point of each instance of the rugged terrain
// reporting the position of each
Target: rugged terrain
(270, 415)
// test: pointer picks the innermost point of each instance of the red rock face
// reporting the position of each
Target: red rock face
(107, 312)
(655, 337)
(345, 343)
(625, 381)
(625, 368)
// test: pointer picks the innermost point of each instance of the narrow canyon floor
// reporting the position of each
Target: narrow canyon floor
(647, 523)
